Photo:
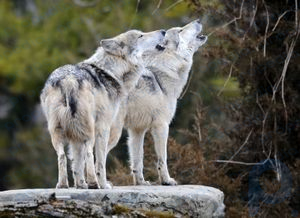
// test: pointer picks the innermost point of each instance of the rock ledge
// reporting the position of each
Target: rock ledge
(121, 201)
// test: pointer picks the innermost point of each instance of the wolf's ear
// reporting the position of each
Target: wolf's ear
(171, 39)
(112, 46)
(171, 44)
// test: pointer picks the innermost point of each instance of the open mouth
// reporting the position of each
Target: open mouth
(201, 37)
(159, 47)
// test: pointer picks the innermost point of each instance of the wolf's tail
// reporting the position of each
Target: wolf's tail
(75, 120)
(69, 89)
(68, 107)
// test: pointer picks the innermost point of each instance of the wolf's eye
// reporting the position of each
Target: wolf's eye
(179, 31)
(140, 36)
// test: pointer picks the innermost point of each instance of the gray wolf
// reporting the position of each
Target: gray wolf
(81, 101)
(151, 105)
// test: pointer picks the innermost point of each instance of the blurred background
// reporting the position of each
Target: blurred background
(238, 119)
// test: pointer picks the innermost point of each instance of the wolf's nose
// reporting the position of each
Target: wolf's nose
(202, 37)
(163, 32)
(199, 21)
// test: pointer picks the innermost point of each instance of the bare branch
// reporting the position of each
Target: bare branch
(296, 14)
(283, 74)
(241, 147)
(284, 71)
(266, 30)
(252, 20)
(135, 13)
(173, 5)
(137, 5)
(263, 131)
(239, 162)
(230, 22)
(157, 7)
(242, 163)
(228, 78)
(279, 18)
(259, 105)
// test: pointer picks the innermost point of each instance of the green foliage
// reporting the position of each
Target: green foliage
(34, 153)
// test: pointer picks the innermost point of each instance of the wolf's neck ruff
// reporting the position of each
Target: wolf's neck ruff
(101, 78)
(170, 75)
(113, 65)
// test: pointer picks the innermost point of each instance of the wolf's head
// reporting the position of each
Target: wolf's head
(187, 38)
(133, 43)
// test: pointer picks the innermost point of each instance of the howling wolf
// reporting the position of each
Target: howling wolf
(81, 101)
(152, 104)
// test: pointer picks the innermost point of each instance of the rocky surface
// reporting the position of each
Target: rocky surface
(123, 201)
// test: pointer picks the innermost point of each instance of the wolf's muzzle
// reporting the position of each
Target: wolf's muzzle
(159, 47)
(202, 37)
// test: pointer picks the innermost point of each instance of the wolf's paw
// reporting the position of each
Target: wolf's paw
(107, 185)
(62, 185)
(146, 183)
(82, 186)
(93, 185)
(170, 181)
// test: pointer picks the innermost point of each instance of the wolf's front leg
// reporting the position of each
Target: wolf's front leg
(160, 137)
(136, 151)
(117, 127)
(115, 134)
(101, 142)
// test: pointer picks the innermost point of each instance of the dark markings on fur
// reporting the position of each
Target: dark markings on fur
(72, 104)
(94, 77)
(58, 127)
(122, 44)
(80, 82)
(149, 80)
(108, 81)
(159, 83)
(131, 49)
(102, 78)
(127, 76)
(64, 100)
(160, 163)
(159, 47)
(55, 83)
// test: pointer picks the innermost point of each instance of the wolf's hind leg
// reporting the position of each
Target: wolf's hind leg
(136, 151)
(90, 166)
(160, 137)
(78, 152)
(57, 142)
